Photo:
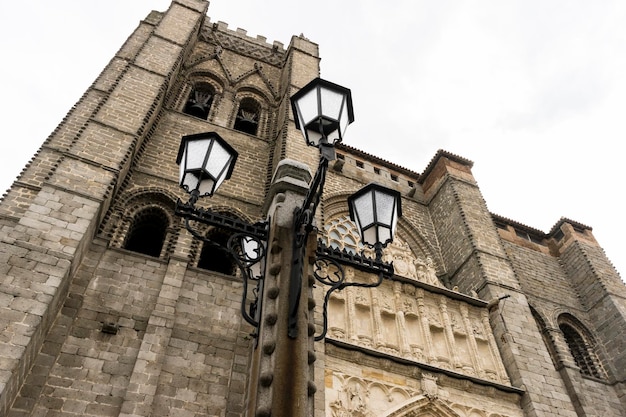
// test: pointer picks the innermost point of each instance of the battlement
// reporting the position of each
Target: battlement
(243, 34)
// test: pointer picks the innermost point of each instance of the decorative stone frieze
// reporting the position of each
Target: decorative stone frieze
(402, 320)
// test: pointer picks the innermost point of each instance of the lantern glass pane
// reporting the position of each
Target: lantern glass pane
(332, 134)
(181, 169)
(189, 181)
(250, 248)
(207, 186)
(384, 234)
(314, 135)
(331, 103)
(195, 154)
(369, 236)
(364, 208)
(345, 119)
(308, 108)
(218, 161)
(385, 205)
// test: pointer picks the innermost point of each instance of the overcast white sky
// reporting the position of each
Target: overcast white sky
(532, 91)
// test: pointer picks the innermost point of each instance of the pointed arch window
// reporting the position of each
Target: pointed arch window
(582, 350)
(247, 119)
(199, 101)
(147, 232)
(214, 259)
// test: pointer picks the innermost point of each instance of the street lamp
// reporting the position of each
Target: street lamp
(375, 210)
(322, 110)
(205, 160)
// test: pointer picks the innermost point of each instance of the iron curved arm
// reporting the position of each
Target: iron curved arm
(337, 283)
(329, 270)
(243, 262)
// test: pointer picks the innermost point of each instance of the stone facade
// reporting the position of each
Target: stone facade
(484, 317)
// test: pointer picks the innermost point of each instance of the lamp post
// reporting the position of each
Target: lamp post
(322, 111)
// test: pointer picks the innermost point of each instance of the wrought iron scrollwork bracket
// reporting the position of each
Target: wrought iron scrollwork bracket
(241, 234)
(329, 271)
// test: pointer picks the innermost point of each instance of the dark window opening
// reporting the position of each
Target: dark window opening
(359, 164)
(558, 235)
(529, 236)
(147, 232)
(500, 225)
(376, 170)
(215, 259)
(394, 177)
(199, 102)
(581, 351)
(247, 119)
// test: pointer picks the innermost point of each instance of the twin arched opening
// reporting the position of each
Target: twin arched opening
(249, 110)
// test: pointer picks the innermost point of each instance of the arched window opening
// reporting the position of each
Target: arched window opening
(199, 102)
(215, 259)
(581, 350)
(147, 232)
(247, 119)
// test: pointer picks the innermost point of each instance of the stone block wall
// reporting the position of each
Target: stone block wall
(476, 260)
(51, 212)
(158, 360)
(579, 283)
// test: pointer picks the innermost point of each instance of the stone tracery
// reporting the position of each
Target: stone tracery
(341, 233)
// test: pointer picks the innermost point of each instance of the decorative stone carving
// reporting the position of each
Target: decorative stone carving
(358, 397)
(341, 233)
(401, 320)
(352, 401)
(380, 392)
(249, 47)
(429, 386)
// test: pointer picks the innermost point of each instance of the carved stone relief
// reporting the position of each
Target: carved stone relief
(266, 53)
(349, 396)
(391, 396)
(401, 320)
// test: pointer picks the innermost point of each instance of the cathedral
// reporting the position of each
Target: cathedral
(124, 294)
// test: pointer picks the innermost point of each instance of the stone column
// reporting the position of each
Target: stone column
(281, 382)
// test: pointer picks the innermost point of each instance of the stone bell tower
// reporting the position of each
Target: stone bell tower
(108, 306)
